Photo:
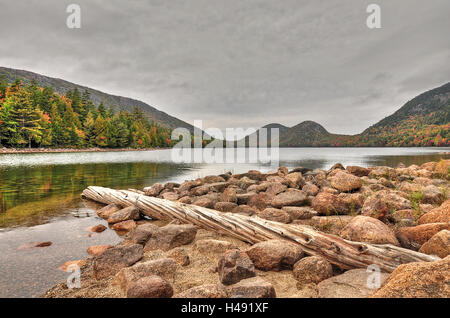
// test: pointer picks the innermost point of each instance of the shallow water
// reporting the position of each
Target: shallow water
(40, 199)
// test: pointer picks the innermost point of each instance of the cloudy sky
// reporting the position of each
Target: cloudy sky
(239, 63)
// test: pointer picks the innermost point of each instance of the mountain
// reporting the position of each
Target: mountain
(116, 102)
(422, 121)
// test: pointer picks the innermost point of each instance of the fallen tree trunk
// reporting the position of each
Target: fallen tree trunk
(346, 254)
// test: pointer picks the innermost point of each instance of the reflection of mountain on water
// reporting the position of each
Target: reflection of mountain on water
(30, 195)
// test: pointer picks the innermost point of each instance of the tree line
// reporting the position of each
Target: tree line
(33, 116)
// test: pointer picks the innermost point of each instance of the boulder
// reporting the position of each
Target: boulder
(351, 284)
(383, 203)
(312, 269)
(432, 195)
(310, 189)
(276, 215)
(204, 291)
(225, 206)
(69, 265)
(142, 233)
(150, 287)
(345, 182)
(229, 195)
(108, 210)
(328, 204)
(114, 259)
(97, 249)
(163, 267)
(245, 209)
(413, 237)
(234, 266)
(358, 171)
(179, 255)
(418, 280)
(370, 230)
(295, 179)
(154, 190)
(299, 213)
(272, 187)
(204, 202)
(244, 198)
(261, 200)
(171, 236)
(171, 196)
(128, 213)
(213, 179)
(332, 224)
(292, 197)
(437, 215)
(255, 287)
(274, 255)
(124, 226)
(438, 244)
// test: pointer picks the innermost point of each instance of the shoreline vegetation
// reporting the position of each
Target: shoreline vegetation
(333, 223)
(64, 150)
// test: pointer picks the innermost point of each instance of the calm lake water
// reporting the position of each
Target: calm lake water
(40, 199)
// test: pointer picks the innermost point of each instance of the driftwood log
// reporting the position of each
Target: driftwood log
(346, 254)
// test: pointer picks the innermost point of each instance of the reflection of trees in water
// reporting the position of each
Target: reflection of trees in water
(37, 190)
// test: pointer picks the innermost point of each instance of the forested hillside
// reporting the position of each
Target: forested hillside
(32, 116)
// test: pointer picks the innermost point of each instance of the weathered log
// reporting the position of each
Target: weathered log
(344, 253)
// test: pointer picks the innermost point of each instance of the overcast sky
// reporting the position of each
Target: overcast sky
(239, 63)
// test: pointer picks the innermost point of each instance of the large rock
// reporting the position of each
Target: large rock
(274, 255)
(299, 213)
(225, 206)
(171, 236)
(255, 287)
(310, 189)
(295, 179)
(383, 203)
(358, 171)
(114, 259)
(108, 210)
(244, 198)
(128, 213)
(142, 233)
(312, 269)
(351, 284)
(245, 209)
(124, 226)
(413, 237)
(163, 267)
(154, 190)
(290, 197)
(229, 195)
(328, 204)
(261, 200)
(150, 287)
(418, 280)
(432, 195)
(204, 291)
(234, 266)
(276, 215)
(438, 244)
(370, 230)
(332, 224)
(345, 182)
(437, 215)
(97, 249)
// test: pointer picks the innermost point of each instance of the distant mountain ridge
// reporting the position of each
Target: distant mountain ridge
(116, 102)
(422, 121)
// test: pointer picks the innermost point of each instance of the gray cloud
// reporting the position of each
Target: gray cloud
(239, 63)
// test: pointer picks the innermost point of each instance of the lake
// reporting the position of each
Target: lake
(40, 199)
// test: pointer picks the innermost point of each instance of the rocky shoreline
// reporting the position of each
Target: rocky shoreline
(403, 206)
(57, 150)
